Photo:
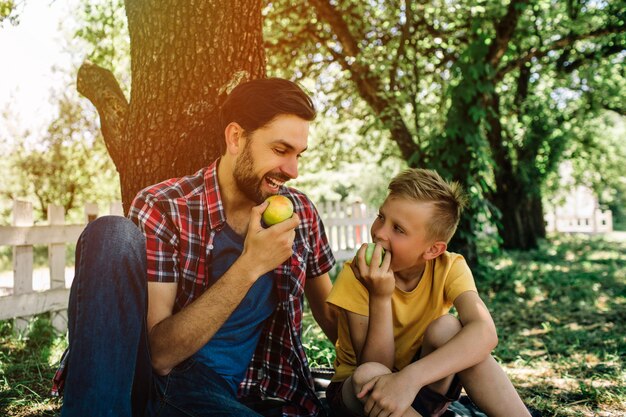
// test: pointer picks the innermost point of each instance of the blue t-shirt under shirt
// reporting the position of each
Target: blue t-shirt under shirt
(230, 350)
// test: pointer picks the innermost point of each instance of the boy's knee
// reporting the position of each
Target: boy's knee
(441, 330)
(365, 372)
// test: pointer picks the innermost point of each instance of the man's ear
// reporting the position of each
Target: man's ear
(233, 135)
(435, 250)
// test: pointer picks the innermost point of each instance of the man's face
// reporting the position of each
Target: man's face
(270, 157)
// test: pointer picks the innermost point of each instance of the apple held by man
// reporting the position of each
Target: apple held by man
(279, 208)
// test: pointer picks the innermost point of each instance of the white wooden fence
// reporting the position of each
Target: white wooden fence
(347, 227)
(23, 301)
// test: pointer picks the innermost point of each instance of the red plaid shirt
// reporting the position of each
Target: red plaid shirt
(180, 218)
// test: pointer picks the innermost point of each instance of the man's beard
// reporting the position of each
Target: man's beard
(247, 182)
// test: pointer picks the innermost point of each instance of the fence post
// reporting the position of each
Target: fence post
(22, 259)
(116, 208)
(91, 212)
(56, 261)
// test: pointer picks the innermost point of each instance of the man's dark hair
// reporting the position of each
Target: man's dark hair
(256, 103)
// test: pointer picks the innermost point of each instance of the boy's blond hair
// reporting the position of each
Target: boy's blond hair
(427, 186)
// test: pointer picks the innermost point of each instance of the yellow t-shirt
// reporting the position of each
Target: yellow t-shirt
(444, 279)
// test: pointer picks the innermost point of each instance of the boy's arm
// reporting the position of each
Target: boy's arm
(372, 337)
(467, 348)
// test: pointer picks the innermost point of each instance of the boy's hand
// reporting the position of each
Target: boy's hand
(388, 395)
(378, 279)
(266, 249)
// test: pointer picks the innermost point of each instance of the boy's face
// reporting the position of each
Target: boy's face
(400, 227)
(269, 157)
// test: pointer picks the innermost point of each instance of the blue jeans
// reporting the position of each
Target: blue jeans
(194, 390)
(108, 370)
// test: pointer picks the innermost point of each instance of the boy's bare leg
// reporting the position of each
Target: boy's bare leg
(438, 333)
(491, 390)
(485, 383)
(362, 375)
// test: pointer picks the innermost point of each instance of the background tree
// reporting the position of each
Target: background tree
(185, 57)
(436, 76)
(539, 99)
(66, 165)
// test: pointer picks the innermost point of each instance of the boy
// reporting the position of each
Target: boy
(399, 352)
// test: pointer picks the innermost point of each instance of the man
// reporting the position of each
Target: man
(222, 330)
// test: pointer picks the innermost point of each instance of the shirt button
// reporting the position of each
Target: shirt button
(210, 247)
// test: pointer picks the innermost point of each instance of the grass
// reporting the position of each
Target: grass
(560, 312)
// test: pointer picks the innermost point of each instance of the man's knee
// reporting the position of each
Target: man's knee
(441, 330)
(365, 372)
(113, 235)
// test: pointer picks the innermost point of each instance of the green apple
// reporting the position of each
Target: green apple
(369, 251)
(280, 208)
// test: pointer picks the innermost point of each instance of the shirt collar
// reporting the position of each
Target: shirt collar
(215, 207)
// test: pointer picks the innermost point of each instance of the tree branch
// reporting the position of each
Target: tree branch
(504, 31)
(558, 44)
(400, 52)
(368, 84)
(603, 51)
(329, 13)
(101, 88)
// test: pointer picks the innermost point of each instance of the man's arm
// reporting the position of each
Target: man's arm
(175, 337)
(316, 291)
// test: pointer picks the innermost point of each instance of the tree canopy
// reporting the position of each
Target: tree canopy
(470, 88)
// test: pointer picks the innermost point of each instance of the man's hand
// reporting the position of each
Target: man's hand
(377, 278)
(388, 395)
(265, 249)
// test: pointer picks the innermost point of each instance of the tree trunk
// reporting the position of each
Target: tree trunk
(522, 223)
(519, 202)
(517, 226)
(538, 221)
(185, 58)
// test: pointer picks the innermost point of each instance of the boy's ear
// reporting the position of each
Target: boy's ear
(435, 250)
(234, 135)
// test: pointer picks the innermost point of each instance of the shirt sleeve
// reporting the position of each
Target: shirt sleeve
(348, 293)
(161, 239)
(459, 279)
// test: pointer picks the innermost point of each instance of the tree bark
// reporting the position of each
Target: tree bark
(185, 58)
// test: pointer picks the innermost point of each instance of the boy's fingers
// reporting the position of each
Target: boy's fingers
(366, 388)
(377, 255)
(386, 261)
(360, 255)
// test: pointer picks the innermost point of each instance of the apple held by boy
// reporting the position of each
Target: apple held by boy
(279, 208)
(369, 252)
